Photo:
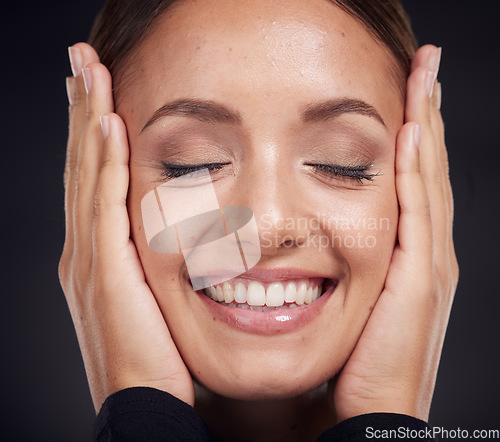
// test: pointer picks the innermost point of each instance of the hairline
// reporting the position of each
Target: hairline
(125, 74)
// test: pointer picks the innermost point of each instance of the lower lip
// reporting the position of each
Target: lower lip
(266, 323)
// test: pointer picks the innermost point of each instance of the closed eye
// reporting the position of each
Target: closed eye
(358, 173)
(171, 171)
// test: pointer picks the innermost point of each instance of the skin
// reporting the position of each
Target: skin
(381, 332)
(250, 51)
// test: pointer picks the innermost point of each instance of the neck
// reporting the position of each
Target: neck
(301, 418)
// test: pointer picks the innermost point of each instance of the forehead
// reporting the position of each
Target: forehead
(282, 54)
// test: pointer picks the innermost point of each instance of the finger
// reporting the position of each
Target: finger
(425, 62)
(438, 128)
(435, 166)
(97, 81)
(111, 230)
(414, 229)
(426, 56)
(76, 117)
(427, 59)
(446, 258)
(420, 109)
(442, 154)
(79, 55)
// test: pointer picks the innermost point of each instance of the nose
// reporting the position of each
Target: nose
(279, 207)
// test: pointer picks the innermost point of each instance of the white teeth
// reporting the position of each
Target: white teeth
(212, 292)
(256, 293)
(228, 291)
(291, 292)
(220, 294)
(257, 297)
(301, 293)
(240, 293)
(275, 295)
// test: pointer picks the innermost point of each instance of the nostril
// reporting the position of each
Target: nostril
(287, 243)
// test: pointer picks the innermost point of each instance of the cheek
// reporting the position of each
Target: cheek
(365, 237)
(162, 270)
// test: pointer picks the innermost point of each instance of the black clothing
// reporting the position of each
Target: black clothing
(147, 414)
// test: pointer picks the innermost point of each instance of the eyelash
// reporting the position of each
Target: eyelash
(177, 170)
(358, 173)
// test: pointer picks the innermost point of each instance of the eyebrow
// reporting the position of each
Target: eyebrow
(324, 110)
(203, 110)
(212, 112)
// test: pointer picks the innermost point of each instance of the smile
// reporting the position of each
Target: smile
(265, 297)
(268, 302)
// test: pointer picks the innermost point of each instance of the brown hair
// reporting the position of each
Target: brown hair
(121, 25)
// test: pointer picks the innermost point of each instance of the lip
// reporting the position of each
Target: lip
(262, 275)
(273, 322)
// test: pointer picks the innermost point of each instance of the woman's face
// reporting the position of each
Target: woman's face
(296, 108)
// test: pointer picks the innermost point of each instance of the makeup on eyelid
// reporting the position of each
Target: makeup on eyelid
(343, 149)
(339, 160)
(192, 154)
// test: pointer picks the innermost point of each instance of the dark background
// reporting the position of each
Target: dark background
(44, 387)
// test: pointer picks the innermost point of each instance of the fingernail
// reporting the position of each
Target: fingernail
(429, 82)
(104, 119)
(87, 79)
(435, 60)
(75, 60)
(69, 89)
(417, 134)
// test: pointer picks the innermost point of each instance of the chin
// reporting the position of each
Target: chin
(269, 379)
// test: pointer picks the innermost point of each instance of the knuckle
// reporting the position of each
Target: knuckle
(91, 114)
(425, 209)
(81, 177)
(74, 276)
(433, 177)
(455, 269)
(78, 99)
(100, 203)
(63, 269)
(66, 273)
(437, 178)
(66, 175)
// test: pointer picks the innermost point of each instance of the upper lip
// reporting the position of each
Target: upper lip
(268, 275)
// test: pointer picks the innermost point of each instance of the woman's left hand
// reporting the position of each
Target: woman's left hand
(394, 365)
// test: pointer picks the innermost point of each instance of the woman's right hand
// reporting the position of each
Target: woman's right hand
(122, 334)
